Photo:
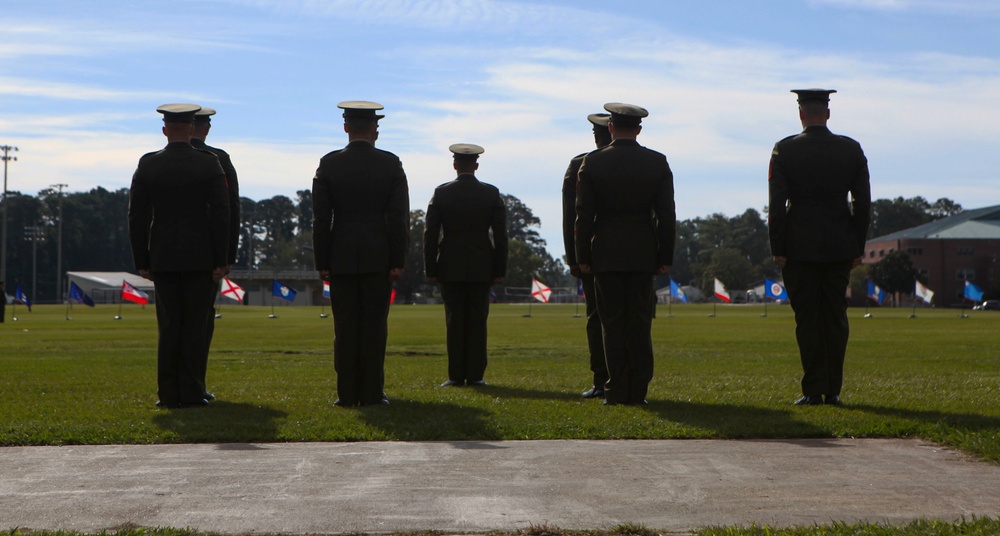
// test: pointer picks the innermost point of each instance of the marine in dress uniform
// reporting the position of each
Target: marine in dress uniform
(361, 216)
(625, 232)
(178, 216)
(202, 124)
(817, 235)
(465, 251)
(595, 340)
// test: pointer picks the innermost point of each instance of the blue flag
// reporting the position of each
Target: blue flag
(973, 292)
(20, 296)
(773, 289)
(78, 295)
(283, 291)
(677, 292)
(875, 292)
(579, 288)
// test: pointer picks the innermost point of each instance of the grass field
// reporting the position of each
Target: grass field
(91, 380)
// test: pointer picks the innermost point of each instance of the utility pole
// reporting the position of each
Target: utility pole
(34, 234)
(59, 276)
(3, 248)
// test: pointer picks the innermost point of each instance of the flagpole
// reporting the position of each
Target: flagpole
(913, 311)
(272, 315)
(69, 304)
(218, 306)
(119, 315)
(13, 310)
(715, 306)
(765, 308)
(670, 306)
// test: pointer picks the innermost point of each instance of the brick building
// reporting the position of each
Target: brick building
(948, 252)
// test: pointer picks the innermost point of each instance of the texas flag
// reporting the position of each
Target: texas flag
(133, 294)
(721, 292)
(539, 291)
(232, 290)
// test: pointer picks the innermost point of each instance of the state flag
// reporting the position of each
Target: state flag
(133, 294)
(973, 292)
(78, 295)
(326, 289)
(232, 290)
(923, 292)
(20, 296)
(677, 292)
(579, 288)
(876, 292)
(773, 289)
(283, 291)
(539, 291)
(721, 292)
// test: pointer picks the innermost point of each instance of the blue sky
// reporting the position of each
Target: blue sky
(918, 82)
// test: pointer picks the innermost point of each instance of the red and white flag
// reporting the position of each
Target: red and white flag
(721, 292)
(539, 291)
(133, 294)
(232, 290)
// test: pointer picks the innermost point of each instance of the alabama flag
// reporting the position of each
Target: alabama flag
(232, 290)
(133, 294)
(721, 292)
(539, 291)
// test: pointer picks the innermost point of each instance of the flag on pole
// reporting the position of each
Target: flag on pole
(392, 297)
(923, 292)
(539, 291)
(133, 294)
(876, 292)
(20, 296)
(78, 295)
(677, 292)
(973, 292)
(232, 290)
(773, 289)
(326, 289)
(721, 292)
(283, 291)
(579, 288)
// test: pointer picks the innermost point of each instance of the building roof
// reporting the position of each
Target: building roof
(112, 279)
(980, 223)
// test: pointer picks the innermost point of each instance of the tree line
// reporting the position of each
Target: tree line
(277, 235)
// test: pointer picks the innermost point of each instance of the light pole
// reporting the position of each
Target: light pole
(34, 235)
(59, 278)
(3, 248)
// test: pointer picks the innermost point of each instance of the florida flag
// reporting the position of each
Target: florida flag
(973, 292)
(133, 294)
(876, 292)
(539, 291)
(232, 290)
(721, 292)
(923, 292)
(773, 289)
(677, 292)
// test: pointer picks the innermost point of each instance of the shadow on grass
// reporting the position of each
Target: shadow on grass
(736, 421)
(969, 421)
(502, 391)
(221, 421)
(429, 421)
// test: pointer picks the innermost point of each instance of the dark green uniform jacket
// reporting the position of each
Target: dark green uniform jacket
(465, 236)
(233, 183)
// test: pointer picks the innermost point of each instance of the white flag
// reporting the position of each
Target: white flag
(923, 292)
(721, 292)
(232, 290)
(539, 291)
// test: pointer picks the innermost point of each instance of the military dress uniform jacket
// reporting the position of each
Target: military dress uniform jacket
(569, 208)
(626, 221)
(361, 211)
(810, 218)
(233, 184)
(178, 211)
(465, 236)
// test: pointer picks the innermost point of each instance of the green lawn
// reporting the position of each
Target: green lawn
(92, 380)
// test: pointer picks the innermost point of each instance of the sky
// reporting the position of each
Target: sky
(918, 86)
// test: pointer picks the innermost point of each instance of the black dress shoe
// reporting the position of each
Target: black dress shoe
(809, 401)
(833, 400)
(478, 383)
(339, 402)
(165, 405)
(200, 403)
(451, 383)
(208, 396)
(594, 392)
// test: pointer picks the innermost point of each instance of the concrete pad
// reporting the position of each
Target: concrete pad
(480, 486)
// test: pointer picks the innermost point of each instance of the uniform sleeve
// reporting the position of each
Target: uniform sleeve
(218, 214)
(233, 185)
(397, 217)
(322, 219)
(140, 217)
(498, 224)
(666, 218)
(585, 209)
(861, 202)
(569, 210)
(432, 235)
(777, 186)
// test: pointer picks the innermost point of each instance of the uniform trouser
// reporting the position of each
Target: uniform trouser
(623, 304)
(816, 291)
(209, 333)
(466, 309)
(182, 308)
(360, 305)
(595, 337)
